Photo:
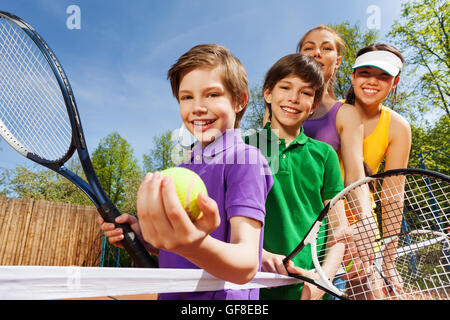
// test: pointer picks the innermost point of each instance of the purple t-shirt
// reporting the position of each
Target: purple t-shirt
(238, 178)
(324, 129)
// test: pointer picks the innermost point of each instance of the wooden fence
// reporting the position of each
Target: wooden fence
(37, 232)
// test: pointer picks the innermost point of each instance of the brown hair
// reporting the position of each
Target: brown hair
(234, 76)
(340, 47)
(350, 97)
(301, 65)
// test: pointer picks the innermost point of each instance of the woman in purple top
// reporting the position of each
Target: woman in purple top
(211, 87)
(334, 122)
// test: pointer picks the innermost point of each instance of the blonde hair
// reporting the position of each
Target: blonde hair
(340, 47)
(234, 76)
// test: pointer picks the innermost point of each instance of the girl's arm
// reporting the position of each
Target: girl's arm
(351, 133)
(166, 225)
(399, 147)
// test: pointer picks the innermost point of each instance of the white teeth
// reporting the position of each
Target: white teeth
(370, 90)
(202, 122)
(290, 110)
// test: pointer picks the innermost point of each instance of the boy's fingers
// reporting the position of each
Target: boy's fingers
(116, 241)
(145, 201)
(142, 195)
(113, 232)
(125, 218)
(106, 226)
(210, 219)
(175, 213)
(296, 270)
(100, 220)
(206, 204)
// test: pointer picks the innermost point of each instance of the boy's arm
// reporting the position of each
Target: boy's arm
(236, 261)
(165, 224)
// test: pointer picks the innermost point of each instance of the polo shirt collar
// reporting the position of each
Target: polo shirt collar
(218, 146)
(301, 139)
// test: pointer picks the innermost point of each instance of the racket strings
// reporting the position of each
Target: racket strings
(32, 109)
(37, 95)
(401, 250)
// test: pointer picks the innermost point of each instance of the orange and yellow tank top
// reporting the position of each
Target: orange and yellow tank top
(376, 144)
(374, 149)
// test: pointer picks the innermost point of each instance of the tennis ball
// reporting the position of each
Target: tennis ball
(188, 185)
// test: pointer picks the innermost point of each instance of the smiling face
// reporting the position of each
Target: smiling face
(291, 101)
(206, 106)
(321, 45)
(372, 85)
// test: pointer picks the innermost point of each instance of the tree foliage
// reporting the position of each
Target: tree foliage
(116, 167)
(42, 184)
(160, 157)
(422, 34)
(430, 147)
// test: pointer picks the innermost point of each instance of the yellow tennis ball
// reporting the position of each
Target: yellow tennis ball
(188, 185)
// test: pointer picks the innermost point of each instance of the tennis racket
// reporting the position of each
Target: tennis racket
(386, 236)
(40, 120)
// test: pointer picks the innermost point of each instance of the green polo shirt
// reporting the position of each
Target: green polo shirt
(306, 173)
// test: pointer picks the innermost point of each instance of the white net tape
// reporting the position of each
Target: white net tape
(48, 282)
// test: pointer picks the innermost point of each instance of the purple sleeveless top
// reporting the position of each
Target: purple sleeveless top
(324, 129)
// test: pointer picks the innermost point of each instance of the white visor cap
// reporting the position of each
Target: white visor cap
(384, 60)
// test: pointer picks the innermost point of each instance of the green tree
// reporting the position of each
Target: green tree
(116, 168)
(43, 184)
(430, 147)
(160, 157)
(422, 34)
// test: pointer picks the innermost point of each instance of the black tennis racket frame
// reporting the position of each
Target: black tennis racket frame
(93, 188)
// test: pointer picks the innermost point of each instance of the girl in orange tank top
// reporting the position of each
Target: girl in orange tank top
(387, 135)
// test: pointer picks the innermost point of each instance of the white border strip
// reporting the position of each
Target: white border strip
(49, 282)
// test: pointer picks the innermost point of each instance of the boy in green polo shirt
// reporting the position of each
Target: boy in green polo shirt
(306, 172)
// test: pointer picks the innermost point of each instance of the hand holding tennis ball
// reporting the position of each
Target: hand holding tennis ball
(188, 185)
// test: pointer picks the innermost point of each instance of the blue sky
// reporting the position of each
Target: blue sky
(117, 61)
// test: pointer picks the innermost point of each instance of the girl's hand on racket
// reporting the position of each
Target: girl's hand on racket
(309, 291)
(115, 234)
(164, 222)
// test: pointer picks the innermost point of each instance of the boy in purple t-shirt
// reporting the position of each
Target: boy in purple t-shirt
(212, 88)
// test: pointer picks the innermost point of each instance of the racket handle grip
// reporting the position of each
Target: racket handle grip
(131, 242)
